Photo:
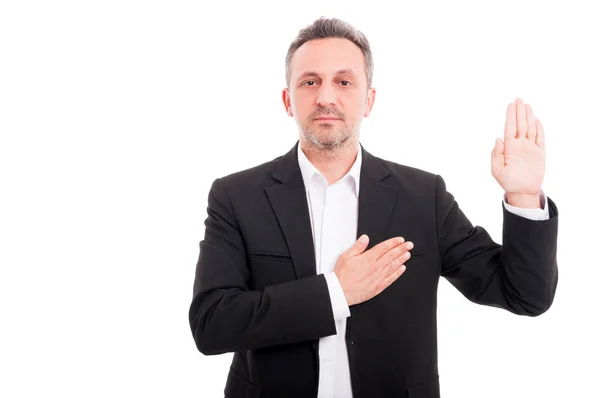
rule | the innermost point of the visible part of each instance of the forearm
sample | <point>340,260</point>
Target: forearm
<point>229,320</point>
<point>525,269</point>
<point>529,253</point>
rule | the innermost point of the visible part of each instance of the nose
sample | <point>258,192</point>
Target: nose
<point>326,95</point>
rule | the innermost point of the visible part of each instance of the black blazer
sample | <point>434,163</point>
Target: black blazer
<point>256,291</point>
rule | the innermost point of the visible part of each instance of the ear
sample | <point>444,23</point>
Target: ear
<point>370,101</point>
<point>285,96</point>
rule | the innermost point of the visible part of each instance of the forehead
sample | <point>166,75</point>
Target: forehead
<point>327,56</point>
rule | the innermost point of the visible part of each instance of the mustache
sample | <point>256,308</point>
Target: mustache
<point>327,112</point>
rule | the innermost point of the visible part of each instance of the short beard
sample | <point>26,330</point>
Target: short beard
<point>329,144</point>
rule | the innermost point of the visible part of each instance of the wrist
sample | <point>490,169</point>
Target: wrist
<point>522,200</point>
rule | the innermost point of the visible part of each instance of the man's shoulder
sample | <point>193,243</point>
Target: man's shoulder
<point>251,177</point>
<point>407,175</point>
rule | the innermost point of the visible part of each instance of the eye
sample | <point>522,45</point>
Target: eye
<point>345,83</point>
<point>309,83</point>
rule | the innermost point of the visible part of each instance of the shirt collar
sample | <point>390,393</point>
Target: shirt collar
<point>308,170</point>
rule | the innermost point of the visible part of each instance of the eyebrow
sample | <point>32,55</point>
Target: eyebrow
<point>315,74</point>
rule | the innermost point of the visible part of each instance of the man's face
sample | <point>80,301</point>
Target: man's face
<point>328,92</point>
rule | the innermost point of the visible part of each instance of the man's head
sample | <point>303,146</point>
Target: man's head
<point>329,70</point>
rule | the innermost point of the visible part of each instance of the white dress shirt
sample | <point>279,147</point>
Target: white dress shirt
<point>334,220</point>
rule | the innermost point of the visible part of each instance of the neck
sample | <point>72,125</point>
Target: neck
<point>332,163</point>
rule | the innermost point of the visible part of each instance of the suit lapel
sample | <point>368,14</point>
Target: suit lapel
<point>288,200</point>
<point>375,200</point>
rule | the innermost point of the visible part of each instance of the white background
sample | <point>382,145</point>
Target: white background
<point>116,116</point>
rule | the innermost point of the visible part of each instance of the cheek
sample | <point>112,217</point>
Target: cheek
<point>301,105</point>
<point>355,110</point>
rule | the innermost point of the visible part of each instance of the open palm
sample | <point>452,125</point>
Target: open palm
<point>519,162</point>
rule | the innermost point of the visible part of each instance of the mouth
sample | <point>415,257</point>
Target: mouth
<point>327,118</point>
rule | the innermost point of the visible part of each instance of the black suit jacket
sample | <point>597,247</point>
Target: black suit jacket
<point>257,294</point>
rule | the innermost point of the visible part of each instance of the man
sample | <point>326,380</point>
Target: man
<point>310,310</point>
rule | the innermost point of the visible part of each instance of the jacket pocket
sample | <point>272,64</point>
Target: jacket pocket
<point>271,256</point>
<point>238,387</point>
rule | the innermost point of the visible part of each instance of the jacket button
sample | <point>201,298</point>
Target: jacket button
<point>352,342</point>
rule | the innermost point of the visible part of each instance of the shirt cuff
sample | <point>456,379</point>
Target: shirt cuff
<point>531,214</point>
<point>337,297</point>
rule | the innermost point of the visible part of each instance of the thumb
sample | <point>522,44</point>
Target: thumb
<point>359,246</point>
<point>498,152</point>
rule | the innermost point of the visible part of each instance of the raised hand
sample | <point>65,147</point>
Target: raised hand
<point>519,162</point>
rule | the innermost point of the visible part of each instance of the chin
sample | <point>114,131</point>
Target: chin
<point>326,135</point>
<point>330,144</point>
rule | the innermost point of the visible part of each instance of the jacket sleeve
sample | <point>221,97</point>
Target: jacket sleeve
<point>520,275</point>
<point>226,316</point>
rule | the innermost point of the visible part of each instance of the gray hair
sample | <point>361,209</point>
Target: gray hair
<point>324,28</point>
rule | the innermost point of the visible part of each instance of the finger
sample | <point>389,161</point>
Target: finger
<point>395,263</point>
<point>531,133</point>
<point>390,278</point>
<point>540,139</point>
<point>359,246</point>
<point>510,128</point>
<point>396,252</point>
<point>521,119</point>
<point>378,250</point>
